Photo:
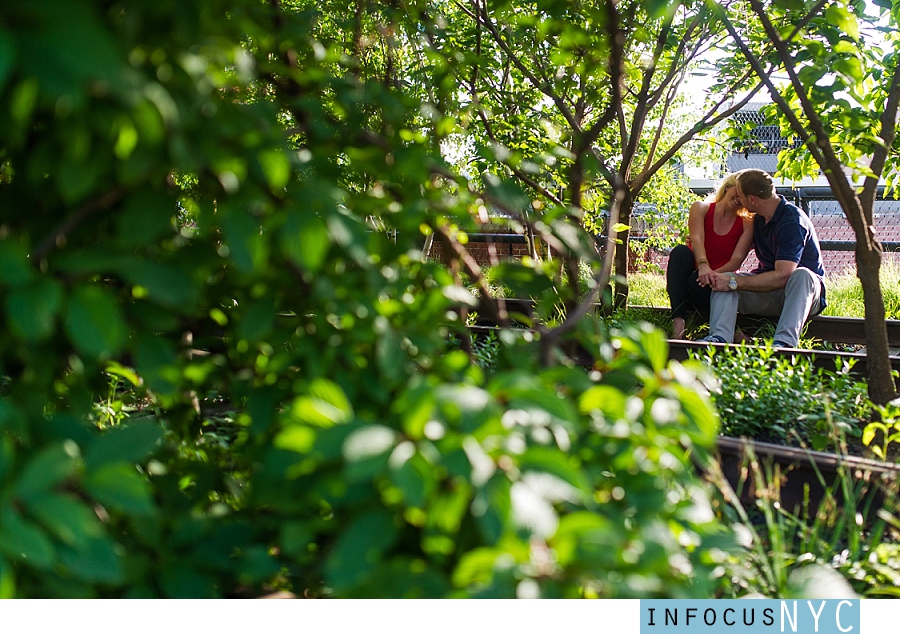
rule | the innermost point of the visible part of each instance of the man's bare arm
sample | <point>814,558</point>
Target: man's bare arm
<point>768,281</point>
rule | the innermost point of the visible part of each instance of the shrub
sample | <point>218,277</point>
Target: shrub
<point>212,206</point>
<point>778,398</point>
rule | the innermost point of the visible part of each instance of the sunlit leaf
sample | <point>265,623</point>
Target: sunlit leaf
<point>276,167</point>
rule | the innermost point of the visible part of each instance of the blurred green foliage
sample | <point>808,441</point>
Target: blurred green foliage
<point>219,379</point>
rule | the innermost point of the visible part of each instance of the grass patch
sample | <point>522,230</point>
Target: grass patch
<point>845,296</point>
<point>647,289</point>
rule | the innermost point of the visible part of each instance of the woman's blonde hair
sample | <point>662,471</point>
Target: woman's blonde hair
<point>727,183</point>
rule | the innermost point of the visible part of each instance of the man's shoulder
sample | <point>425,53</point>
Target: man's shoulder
<point>791,214</point>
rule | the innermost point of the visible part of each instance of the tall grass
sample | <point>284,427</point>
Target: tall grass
<point>647,289</point>
<point>844,292</point>
<point>845,296</point>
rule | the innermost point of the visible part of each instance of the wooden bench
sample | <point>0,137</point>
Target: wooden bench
<point>833,329</point>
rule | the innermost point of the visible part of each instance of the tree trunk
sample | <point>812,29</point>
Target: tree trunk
<point>868,269</point>
<point>620,294</point>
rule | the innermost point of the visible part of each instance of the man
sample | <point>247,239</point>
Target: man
<point>789,281</point>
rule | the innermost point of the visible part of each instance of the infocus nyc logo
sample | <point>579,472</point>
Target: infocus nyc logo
<point>750,616</point>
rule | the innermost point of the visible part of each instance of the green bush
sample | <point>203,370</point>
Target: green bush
<point>227,367</point>
<point>784,399</point>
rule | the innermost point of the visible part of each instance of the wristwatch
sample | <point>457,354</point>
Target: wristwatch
<point>732,283</point>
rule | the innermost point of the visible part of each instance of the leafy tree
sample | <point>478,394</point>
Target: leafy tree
<point>578,102</point>
<point>842,102</point>
<point>226,366</point>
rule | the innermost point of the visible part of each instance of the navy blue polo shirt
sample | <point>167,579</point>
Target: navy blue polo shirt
<point>789,235</point>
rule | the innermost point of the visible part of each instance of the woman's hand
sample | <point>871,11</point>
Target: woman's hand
<point>705,275</point>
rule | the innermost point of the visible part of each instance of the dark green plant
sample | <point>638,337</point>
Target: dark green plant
<point>781,398</point>
<point>847,544</point>
<point>225,206</point>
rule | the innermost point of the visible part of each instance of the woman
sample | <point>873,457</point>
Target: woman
<point>720,237</point>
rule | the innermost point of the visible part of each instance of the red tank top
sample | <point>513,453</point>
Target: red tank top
<point>719,249</point>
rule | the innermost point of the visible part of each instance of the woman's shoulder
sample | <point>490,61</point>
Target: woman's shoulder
<point>700,207</point>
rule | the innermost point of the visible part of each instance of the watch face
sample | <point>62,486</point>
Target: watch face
<point>732,283</point>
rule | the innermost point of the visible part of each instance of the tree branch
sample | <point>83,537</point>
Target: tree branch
<point>100,203</point>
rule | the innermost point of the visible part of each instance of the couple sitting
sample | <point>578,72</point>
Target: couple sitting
<point>789,281</point>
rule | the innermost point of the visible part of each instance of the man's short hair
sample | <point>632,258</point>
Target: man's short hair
<point>754,182</point>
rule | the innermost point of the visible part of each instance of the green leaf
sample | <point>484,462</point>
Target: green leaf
<point>555,462</point>
<point>24,541</point>
<point>66,27</point>
<point>331,393</point>
<point>411,474</point>
<point>7,62</point>
<point>120,486</point>
<point>257,320</point>
<point>276,167</point>
<point>14,266</point>
<point>32,308</point>
<point>326,405</point>
<point>181,581</point>
<point>7,574</point>
<point>247,249</point>
<point>69,519</point>
<point>256,566</point>
<point>492,507</point>
<point>415,407</point>
<point>581,533</point>
<point>96,561</point>
<point>605,398</point>
<point>155,362</point>
<point>296,538</point>
<point>657,8</point>
<point>391,356</point>
<point>476,567</point>
<point>304,239</point>
<point>146,217</point>
<point>845,20</point>
<point>538,402</point>
<point>76,177</point>
<point>522,280</point>
<point>296,438</point>
<point>359,549</point>
<point>509,192</point>
<point>50,467</point>
<point>166,284</point>
<point>94,322</point>
<point>850,68</point>
<point>7,453</point>
<point>124,444</point>
<point>655,347</point>
<point>369,441</point>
